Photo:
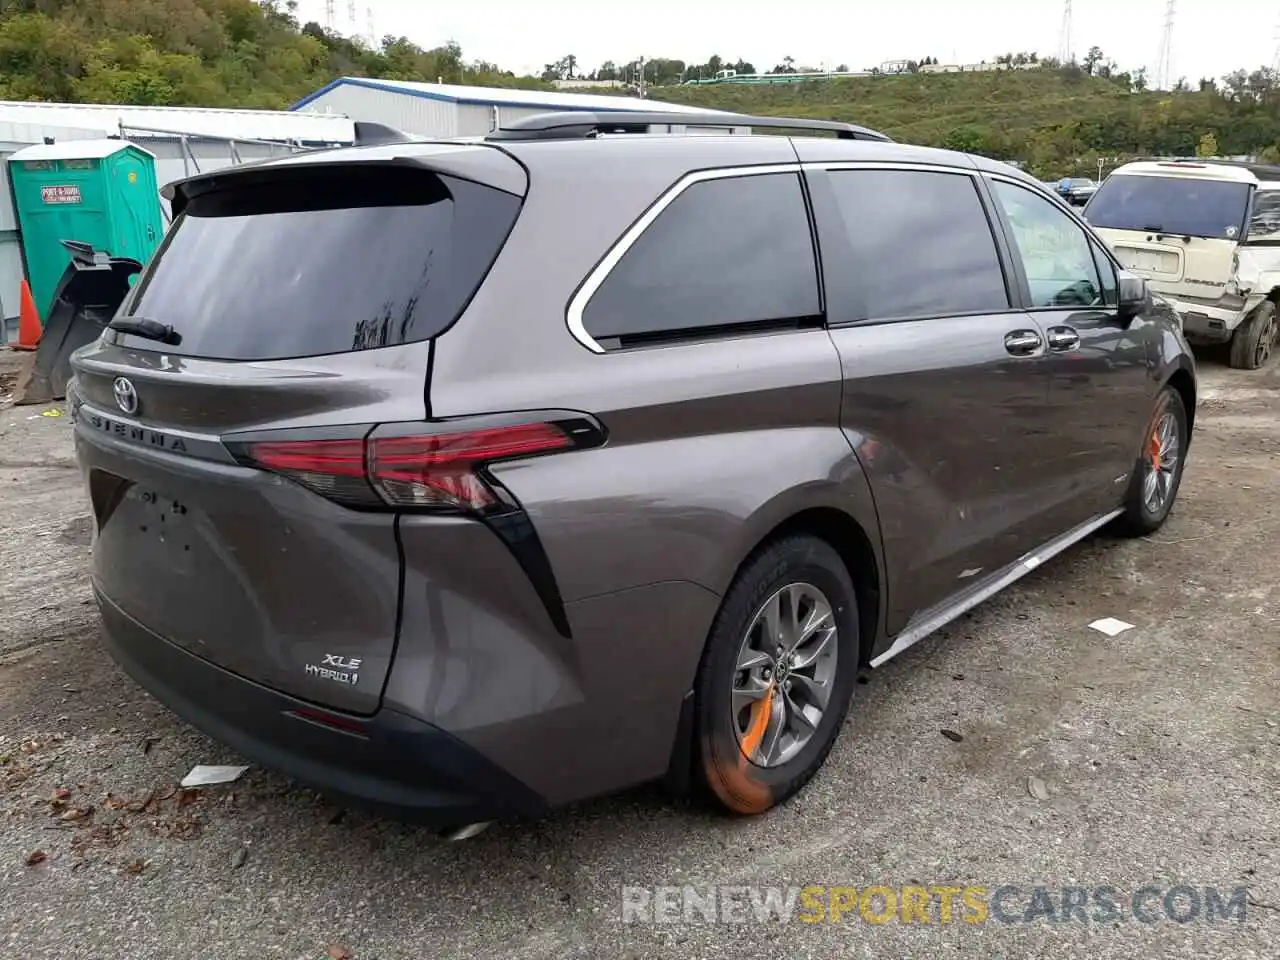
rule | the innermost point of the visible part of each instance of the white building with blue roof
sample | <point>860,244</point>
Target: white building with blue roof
<point>447,110</point>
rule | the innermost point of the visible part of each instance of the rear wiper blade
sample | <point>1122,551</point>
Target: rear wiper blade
<point>148,329</point>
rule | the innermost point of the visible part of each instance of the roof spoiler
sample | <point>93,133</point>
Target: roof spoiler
<point>580,125</point>
<point>368,134</point>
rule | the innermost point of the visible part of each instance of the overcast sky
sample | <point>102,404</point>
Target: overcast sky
<point>1211,37</point>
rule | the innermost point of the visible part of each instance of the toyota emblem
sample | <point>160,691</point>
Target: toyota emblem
<point>126,396</point>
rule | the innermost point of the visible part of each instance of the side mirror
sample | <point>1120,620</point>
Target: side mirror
<point>1133,294</point>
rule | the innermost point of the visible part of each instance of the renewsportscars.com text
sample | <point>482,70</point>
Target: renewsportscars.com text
<point>933,904</point>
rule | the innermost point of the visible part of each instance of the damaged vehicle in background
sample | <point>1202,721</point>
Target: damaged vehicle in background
<point>1206,236</point>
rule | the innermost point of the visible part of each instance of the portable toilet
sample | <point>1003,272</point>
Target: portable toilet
<point>100,192</point>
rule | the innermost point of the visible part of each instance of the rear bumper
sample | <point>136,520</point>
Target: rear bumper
<point>1213,321</point>
<point>389,762</point>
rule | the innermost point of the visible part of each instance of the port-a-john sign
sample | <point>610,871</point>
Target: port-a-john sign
<point>61,194</point>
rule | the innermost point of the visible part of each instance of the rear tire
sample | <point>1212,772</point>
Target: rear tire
<point>1254,340</point>
<point>787,734</point>
<point>1163,456</point>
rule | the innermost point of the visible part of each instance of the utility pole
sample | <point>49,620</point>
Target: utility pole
<point>1065,55</point>
<point>1275,58</point>
<point>1164,60</point>
<point>372,28</point>
<point>642,78</point>
<point>351,17</point>
<point>331,15</point>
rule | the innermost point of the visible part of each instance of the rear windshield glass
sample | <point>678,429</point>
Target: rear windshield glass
<point>1175,205</point>
<point>321,261</point>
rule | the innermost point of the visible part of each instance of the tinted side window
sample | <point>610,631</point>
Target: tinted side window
<point>1264,221</point>
<point>1056,254</point>
<point>921,244</point>
<point>737,250</point>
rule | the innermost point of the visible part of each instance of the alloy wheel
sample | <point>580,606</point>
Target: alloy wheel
<point>1266,341</point>
<point>1163,457</point>
<point>784,673</point>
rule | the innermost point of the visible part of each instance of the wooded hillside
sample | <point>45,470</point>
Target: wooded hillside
<point>213,53</point>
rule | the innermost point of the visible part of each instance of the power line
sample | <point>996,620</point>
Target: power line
<point>1164,60</point>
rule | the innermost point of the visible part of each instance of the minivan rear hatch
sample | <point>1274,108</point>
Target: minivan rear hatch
<point>290,302</point>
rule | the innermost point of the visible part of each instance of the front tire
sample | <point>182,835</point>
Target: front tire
<point>777,676</point>
<point>1157,475</point>
<point>1254,340</point>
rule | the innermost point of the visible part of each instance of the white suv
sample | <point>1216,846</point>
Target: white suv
<point>1206,235</point>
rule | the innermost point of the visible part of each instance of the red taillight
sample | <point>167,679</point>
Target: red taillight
<point>441,470</point>
<point>407,470</point>
<point>332,468</point>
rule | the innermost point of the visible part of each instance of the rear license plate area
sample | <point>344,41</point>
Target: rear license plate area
<point>162,527</point>
<point>1147,261</point>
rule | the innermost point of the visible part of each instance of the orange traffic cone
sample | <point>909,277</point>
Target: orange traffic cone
<point>29,328</point>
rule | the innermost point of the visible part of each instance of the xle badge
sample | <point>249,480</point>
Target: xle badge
<point>338,669</point>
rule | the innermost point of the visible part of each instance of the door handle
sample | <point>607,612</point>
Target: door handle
<point>1062,339</point>
<point>1023,343</point>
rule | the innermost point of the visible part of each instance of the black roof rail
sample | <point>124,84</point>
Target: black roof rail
<point>582,124</point>
<point>1263,171</point>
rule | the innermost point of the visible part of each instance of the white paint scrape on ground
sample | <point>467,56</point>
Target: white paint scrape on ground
<point>1070,759</point>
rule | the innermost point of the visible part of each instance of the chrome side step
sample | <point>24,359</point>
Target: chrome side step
<point>928,621</point>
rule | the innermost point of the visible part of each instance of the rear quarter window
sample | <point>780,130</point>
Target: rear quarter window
<point>321,261</point>
<point>726,253</point>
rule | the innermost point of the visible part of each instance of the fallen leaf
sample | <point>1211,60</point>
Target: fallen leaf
<point>951,735</point>
<point>36,856</point>
<point>138,806</point>
<point>239,857</point>
<point>62,793</point>
<point>1036,787</point>
<point>112,802</point>
<point>135,866</point>
<point>188,797</point>
<point>337,951</point>
<point>77,813</point>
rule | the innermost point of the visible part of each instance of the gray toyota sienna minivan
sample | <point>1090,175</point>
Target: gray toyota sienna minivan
<point>472,478</point>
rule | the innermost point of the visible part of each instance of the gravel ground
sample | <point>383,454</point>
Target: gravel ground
<point>1158,752</point>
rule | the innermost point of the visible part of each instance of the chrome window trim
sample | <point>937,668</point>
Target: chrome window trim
<point>596,278</point>
<point>972,172</point>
